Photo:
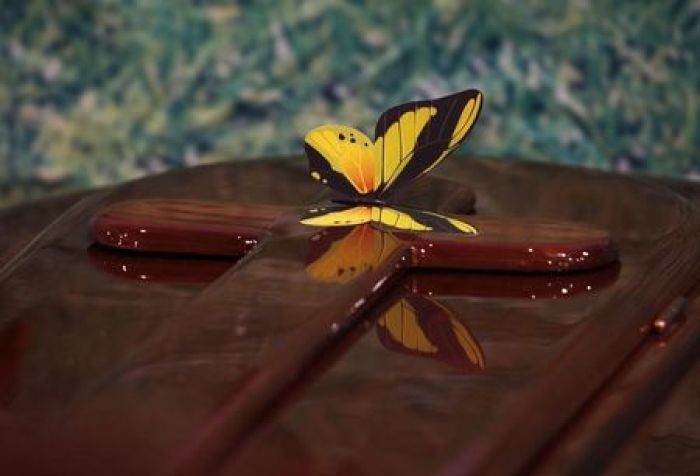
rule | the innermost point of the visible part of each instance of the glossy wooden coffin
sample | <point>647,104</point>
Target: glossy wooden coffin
<point>128,363</point>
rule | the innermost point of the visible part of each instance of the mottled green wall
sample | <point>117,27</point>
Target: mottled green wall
<point>92,92</point>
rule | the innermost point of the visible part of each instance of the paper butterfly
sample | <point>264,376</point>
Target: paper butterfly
<point>410,140</point>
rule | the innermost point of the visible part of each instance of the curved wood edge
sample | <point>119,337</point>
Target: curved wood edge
<point>184,226</point>
<point>512,244</point>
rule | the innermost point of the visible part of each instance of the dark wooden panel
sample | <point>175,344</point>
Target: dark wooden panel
<point>98,368</point>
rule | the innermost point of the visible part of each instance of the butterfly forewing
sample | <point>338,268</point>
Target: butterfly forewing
<point>420,146</point>
<point>400,128</point>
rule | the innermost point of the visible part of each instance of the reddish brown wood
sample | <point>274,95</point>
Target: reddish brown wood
<point>158,267</point>
<point>511,446</point>
<point>512,285</point>
<point>221,229</point>
<point>417,291</point>
<point>612,417</point>
<point>179,268</point>
<point>506,244</point>
<point>501,244</point>
<point>201,228</point>
<point>118,376</point>
<point>184,226</point>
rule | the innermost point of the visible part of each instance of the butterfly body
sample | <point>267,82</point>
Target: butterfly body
<point>410,140</point>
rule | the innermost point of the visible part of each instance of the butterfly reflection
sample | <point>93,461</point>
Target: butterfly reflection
<point>417,325</point>
<point>340,255</point>
<point>414,325</point>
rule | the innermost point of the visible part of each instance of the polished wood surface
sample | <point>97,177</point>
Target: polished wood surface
<point>130,376</point>
<point>167,268</point>
<point>19,225</point>
<point>232,230</point>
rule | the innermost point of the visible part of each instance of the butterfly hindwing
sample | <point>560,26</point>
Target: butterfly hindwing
<point>412,138</point>
<point>342,158</point>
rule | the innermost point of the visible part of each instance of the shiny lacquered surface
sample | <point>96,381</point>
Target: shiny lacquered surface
<point>231,230</point>
<point>411,308</point>
<point>103,374</point>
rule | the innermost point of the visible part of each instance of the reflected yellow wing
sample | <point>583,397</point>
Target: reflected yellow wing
<point>401,323</point>
<point>351,255</point>
<point>421,326</point>
<point>342,158</point>
<point>467,342</point>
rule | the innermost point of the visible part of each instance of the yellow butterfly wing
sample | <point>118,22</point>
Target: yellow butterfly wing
<point>413,138</point>
<point>342,158</point>
<point>396,139</point>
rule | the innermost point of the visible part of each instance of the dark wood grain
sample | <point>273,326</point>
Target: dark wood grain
<point>511,446</point>
<point>612,417</point>
<point>115,376</point>
<point>667,441</point>
<point>21,223</point>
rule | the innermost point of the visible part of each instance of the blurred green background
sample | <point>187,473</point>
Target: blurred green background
<point>94,92</point>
